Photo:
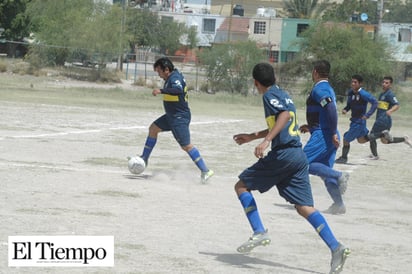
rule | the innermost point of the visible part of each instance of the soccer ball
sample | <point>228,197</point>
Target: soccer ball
<point>136,165</point>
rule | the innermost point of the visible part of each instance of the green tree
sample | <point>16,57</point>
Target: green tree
<point>304,8</point>
<point>348,50</point>
<point>15,23</point>
<point>87,27</point>
<point>229,66</point>
<point>399,11</point>
<point>395,11</point>
<point>147,29</point>
<point>350,10</point>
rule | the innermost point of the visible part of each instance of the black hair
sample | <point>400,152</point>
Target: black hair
<point>388,78</point>
<point>164,63</point>
<point>357,77</point>
<point>264,74</point>
<point>322,67</point>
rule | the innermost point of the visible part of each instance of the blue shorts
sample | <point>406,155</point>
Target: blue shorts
<point>320,149</point>
<point>287,169</point>
<point>178,124</point>
<point>357,129</point>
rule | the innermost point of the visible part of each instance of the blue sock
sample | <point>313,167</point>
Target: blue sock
<point>333,190</point>
<point>324,171</point>
<point>195,155</point>
<point>249,205</point>
<point>321,226</point>
<point>148,147</point>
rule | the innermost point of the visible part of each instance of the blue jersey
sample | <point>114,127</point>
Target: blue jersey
<point>316,114</point>
<point>386,101</point>
<point>357,103</point>
<point>175,94</point>
<point>276,101</point>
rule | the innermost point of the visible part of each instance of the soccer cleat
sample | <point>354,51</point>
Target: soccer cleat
<point>205,176</point>
<point>146,161</point>
<point>335,209</point>
<point>387,136</point>
<point>338,259</point>
<point>341,160</point>
<point>343,182</point>
<point>257,239</point>
<point>373,157</point>
<point>407,141</point>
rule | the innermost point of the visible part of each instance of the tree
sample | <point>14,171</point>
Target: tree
<point>91,28</point>
<point>229,66</point>
<point>15,23</point>
<point>349,51</point>
<point>304,8</point>
<point>398,11</point>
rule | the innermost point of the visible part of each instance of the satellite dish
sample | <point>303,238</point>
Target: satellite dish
<point>364,17</point>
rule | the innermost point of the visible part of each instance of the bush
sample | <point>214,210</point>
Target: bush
<point>3,67</point>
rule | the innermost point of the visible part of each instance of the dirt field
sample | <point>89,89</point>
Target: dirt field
<point>63,171</point>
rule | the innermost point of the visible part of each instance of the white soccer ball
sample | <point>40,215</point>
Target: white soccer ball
<point>136,165</point>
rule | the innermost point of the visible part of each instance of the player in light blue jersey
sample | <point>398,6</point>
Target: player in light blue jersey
<point>357,102</point>
<point>387,105</point>
<point>284,166</point>
<point>322,123</point>
<point>177,117</point>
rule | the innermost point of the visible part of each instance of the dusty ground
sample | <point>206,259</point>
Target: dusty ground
<point>63,172</point>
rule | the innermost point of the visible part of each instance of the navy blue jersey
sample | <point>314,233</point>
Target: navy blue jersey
<point>386,101</point>
<point>175,94</point>
<point>275,101</point>
<point>357,103</point>
<point>316,114</point>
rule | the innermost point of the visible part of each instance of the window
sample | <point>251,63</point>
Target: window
<point>404,35</point>
<point>209,25</point>
<point>259,28</point>
<point>301,28</point>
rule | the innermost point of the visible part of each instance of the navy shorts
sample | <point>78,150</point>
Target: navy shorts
<point>381,124</point>
<point>287,169</point>
<point>356,130</point>
<point>178,124</point>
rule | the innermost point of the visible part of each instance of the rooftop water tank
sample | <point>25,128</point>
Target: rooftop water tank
<point>238,10</point>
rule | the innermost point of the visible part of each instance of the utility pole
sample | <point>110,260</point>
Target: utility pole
<point>229,31</point>
<point>380,15</point>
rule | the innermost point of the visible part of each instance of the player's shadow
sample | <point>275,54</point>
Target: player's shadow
<point>244,261</point>
<point>137,177</point>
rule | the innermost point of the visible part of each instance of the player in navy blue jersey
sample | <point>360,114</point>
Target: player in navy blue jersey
<point>322,123</point>
<point>177,117</point>
<point>387,105</point>
<point>284,166</point>
<point>357,102</point>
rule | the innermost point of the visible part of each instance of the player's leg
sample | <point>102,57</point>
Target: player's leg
<point>181,133</point>
<point>395,140</point>
<point>345,151</point>
<point>338,251</point>
<point>378,127</point>
<point>336,179</point>
<point>154,129</point>
<point>299,193</point>
<point>348,137</point>
<point>260,235</point>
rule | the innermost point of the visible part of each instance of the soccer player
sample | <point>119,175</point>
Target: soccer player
<point>357,103</point>
<point>284,166</point>
<point>177,117</point>
<point>322,123</point>
<point>387,105</point>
